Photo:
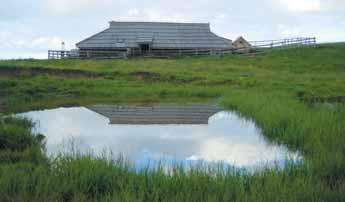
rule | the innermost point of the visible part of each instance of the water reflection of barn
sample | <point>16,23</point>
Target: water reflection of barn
<point>168,114</point>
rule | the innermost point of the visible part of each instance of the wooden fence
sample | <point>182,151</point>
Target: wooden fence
<point>284,43</point>
<point>58,54</point>
<point>255,48</point>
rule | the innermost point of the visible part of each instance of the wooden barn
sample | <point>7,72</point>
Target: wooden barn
<point>156,38</point>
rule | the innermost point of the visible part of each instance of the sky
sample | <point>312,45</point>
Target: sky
<point>29,28</point>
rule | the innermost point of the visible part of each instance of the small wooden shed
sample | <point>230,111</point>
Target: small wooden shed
<point>240,45</point>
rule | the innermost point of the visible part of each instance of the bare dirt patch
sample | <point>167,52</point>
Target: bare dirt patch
<point>146,76</point>
<point>35,71</point>
<point>156,77</point>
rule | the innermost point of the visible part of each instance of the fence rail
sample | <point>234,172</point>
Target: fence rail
<point>58,54</point>
<point>254,48</point>
<point>284,42</point>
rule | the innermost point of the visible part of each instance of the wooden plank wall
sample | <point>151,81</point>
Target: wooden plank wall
<point>255,48</point>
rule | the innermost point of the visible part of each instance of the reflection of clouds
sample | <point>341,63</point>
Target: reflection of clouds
<point>239,153</point>
<point>227,138</point>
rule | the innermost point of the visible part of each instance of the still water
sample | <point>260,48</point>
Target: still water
<point>194,135</point>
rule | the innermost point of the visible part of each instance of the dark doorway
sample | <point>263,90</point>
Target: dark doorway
<point>145,48</point>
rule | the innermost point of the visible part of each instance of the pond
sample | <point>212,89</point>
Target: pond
<point>142,134</point>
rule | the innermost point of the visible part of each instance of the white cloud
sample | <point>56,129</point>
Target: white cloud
<point>301,5</point>
<point>4,37</point>
<point>62,6</point>
<point>333,5</point>
<point>158,15</point>
<point>133,12</point>
<point>13,41</point>
<point>288,31</point>
<point>46,42</point>
<point>151,14</point>
<point>311,5</point>
<point>221,16</point>
<point>72,7</point>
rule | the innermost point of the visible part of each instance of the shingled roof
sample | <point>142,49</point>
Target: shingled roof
<point>159,35</point>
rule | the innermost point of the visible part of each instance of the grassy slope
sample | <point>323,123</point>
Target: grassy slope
<point>266,88</point>
<point>309,72</point>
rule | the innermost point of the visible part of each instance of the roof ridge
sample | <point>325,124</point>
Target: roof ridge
<point>156,22</point>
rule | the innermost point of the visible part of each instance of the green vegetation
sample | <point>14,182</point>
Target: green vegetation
<point>295,96</point>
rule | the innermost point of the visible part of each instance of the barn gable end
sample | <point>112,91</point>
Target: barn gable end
<point>241,45</point>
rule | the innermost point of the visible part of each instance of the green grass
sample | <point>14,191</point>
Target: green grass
<point>282,91</point>
<point>18,143</point>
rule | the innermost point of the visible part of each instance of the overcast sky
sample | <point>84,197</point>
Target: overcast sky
<point>28,28</point>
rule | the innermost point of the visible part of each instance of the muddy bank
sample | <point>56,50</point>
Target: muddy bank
<point>12,71</point>
<point>35,71</point>
<point>156,77</point>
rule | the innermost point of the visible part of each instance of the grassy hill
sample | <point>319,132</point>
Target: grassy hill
<point>309,73</point>
<point>283,91</point>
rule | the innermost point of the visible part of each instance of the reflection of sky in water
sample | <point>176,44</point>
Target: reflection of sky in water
<point>227,138</point>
